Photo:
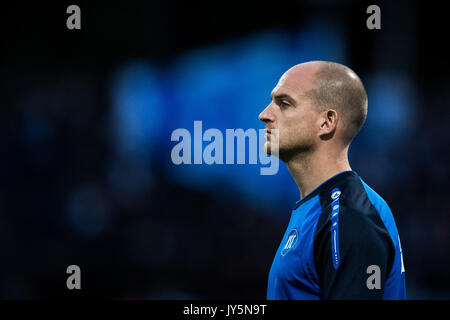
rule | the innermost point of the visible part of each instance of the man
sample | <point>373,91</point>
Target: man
<point>342,241</point>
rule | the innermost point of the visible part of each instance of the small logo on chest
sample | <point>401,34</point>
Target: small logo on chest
<point>291,241</point>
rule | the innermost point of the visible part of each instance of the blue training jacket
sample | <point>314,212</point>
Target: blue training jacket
<point>341,243</point>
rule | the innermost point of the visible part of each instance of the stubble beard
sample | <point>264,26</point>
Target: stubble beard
<point>286,152</point>
<point>296,152</point>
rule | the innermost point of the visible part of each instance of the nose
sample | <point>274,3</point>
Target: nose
<point>266,115</point>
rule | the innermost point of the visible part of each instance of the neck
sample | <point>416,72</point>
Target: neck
<point>309,170</point>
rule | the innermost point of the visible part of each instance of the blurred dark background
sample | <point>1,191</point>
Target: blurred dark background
<point>85,124</point>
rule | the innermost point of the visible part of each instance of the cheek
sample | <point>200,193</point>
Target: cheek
<point>298,129</point>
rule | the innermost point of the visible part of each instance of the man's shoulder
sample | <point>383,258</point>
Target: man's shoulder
<point>375,198</point>
<point>357,195</point>
<point>353,203</point>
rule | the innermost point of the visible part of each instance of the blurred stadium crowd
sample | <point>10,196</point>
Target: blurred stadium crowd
<point>86,175</point>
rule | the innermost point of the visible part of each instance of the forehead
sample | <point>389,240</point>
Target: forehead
<point>295,82</point>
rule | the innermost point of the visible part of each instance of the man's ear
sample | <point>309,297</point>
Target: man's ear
<point>328,123</point>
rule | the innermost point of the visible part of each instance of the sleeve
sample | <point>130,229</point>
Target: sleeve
<point>353,256</point>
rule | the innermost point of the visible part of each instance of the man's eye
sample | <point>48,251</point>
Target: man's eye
<point>284,104</point>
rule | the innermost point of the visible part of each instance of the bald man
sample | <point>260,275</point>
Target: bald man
<point>342,241</point>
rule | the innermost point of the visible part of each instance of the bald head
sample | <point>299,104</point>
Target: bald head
<point>335,86</point>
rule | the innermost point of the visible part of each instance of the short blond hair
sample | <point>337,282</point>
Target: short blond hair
<point>338,87</point>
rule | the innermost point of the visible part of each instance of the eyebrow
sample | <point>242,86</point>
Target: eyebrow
<point>282,96</point>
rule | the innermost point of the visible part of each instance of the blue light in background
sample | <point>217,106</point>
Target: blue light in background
<point>226,87</point>
<point>88,210</point>
<point>391,118</point>
<point>322,39</point>
<point>392,110</point>
<point>137,118</point>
